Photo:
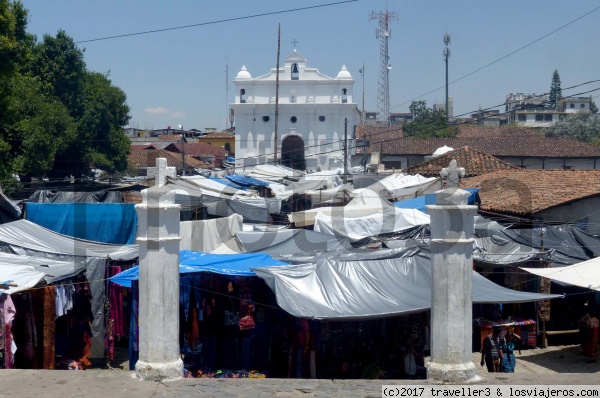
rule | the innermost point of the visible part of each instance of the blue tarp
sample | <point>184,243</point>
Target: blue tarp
<point>225,264</point>
<point>421,202</point>
<point>225,181</point>
<point>114,223</point>
<point>230,159</point>
<point>247,181</point>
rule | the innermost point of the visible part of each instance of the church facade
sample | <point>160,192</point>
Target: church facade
<point>312,113</point>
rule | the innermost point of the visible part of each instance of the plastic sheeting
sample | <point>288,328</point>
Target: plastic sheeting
<point>9,210</point>
<point>207,235</point>
<point>365,289</point>
<point>399,185</point>
<point>274,173</point>
<point>247,181</point>
<point>289,242</point>
<point>585,274</point>
<point>421,202</point>
<point>25,277</point>
<point>53,270</point>
<point>48,196</point>
<point>99,222</point>
<point>225,264</point>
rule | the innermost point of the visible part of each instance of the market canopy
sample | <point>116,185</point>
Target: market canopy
<point>399,185</point>
<point>363,289</point>
<point>421,202</point>
<point>225,264</point>
<point>247,181</point>
<point>585,274</point>
<point>53,270</point>
<point>25,277</point>
<point>289,241</point>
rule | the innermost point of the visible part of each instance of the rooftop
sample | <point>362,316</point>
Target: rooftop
<point>474,162</point>
<point>531,191</point>
<point>220,134</point>
<point>147,158</point>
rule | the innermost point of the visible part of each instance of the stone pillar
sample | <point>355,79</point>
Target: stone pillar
<point>158,239</point>
<point>452,222</point>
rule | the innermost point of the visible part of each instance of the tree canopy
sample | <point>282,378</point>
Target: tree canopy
<point>56,117</point>
<point>428,123</point>
<point>582,126</point>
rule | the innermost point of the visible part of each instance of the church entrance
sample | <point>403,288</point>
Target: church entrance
<point>292,152</point>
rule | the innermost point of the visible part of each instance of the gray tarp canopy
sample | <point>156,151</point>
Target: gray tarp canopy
<point>49,196</point>
<point>287,242</point>
<point>369,288</point>
<point>9,210</point>
<point>54,270</point>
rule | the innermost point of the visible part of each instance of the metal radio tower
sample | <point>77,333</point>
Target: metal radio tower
<point>383,33</point>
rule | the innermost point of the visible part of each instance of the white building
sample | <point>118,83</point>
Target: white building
<point>312,111</point>
<point>531,110</point>
<point>576,104</point>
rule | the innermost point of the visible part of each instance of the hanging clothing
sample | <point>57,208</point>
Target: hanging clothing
<point>116,303</point>
<point>44,304</point>
<point>8,314</point>
<point>134,326</point>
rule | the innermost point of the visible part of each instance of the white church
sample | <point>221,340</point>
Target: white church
<point>312,109</point>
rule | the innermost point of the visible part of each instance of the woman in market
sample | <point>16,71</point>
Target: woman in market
<point>589,327</point>
<point>511,341</point>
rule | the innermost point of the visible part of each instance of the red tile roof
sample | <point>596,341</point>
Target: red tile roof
<point>474,162</point>
<point>147,158</point>
<point>220,134</point>
<point>474,130</point>
<point>199,149</point>
<point>517,146</point>
<point>531,191</point>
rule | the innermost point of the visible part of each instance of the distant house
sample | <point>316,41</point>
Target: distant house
<point>532,110</point>
<point>220,139</point>
<point>518,146</point>
<point>562,196</point>
<point>141,159</point>
<point>204,152</point>
<point>576,104</point>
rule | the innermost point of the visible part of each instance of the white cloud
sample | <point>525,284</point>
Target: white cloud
<point>157,111</point>
<point>178,114</point>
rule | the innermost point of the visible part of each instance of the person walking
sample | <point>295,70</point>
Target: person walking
<point>511,341</point>
<point>491,352</point>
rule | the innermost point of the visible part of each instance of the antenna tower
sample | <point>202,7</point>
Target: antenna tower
<point>383,33</point>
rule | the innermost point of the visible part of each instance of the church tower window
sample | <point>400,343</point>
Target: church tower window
<point>295,72</point>
<point>242,93</point>
<point>344,96</point>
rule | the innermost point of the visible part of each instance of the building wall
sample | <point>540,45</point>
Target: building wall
<point>556,163</point>
<point>583,212</point>
<point>219,142</point>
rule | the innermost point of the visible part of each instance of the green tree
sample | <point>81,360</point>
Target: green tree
<point>582,126</point>
<point>555,94</point>
<point>59,65</point>
<point>593,108</point>
<point>428,123</point>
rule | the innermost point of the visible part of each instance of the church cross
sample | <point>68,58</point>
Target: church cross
<point>294,42</point>
<point>161,172</point>
<point>452,173</point>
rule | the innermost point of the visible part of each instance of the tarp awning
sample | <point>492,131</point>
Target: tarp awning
<point>585,274</point>
<point>53,270</point>
<point>225,264</point>
<point>247,181</point>
<point>365,289</point>
<point>421,202</point>
<point>25,277</point>
<point>289,242</point>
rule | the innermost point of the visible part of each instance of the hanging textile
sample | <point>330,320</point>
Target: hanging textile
<point>8,314</point>
<point>134,326</point>
<point>44,307</point>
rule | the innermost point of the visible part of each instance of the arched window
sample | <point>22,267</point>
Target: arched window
<point>242,93</point>
<point>344,96</point>
<point>572,106</point>
<point>293,96</point>
<point>295,72</point>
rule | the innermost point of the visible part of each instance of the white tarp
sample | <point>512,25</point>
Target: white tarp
<point>366,226</point>
<point>367,202</point>
<point>585,274</point>
<point>25,277</point>
<point>363,289</point>
<point>207,235</point>
<point>399,185</point>
<point>54,270</point>
<point>274,173</point>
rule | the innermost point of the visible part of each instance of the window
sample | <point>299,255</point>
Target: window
<point>265,118</point>
<point>539,117</point>
<point>293,119</point>
<point>582,106</point>
<point>293,96</point>
<point>548,118</point>
<point>572,106</point>
<point>344,96</point>
<point>321,118</point>
<point>522,118</point>
<point>295,72</point>
<point>242,93</point>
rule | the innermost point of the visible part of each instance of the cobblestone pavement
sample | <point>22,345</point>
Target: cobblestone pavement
<point>555,365</point>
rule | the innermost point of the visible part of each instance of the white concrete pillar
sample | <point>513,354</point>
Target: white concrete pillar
<point>452,222</point>
<point>158,239</point>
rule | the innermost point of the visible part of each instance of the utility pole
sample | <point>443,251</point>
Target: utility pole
<point>182,150</point>
<point>446,56</point>
<point>383,33</point>
<point>277,94</point>
<point>345,150</point>
<point>362,73</point>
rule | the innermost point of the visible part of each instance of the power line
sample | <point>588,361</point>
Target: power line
<point>217,21</point>
<point>504,56</point>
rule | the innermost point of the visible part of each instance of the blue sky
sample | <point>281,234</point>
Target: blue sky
<point>178,76</point>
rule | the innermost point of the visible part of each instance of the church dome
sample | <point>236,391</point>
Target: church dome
<point>344,74</point>
<point>243,74</point>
